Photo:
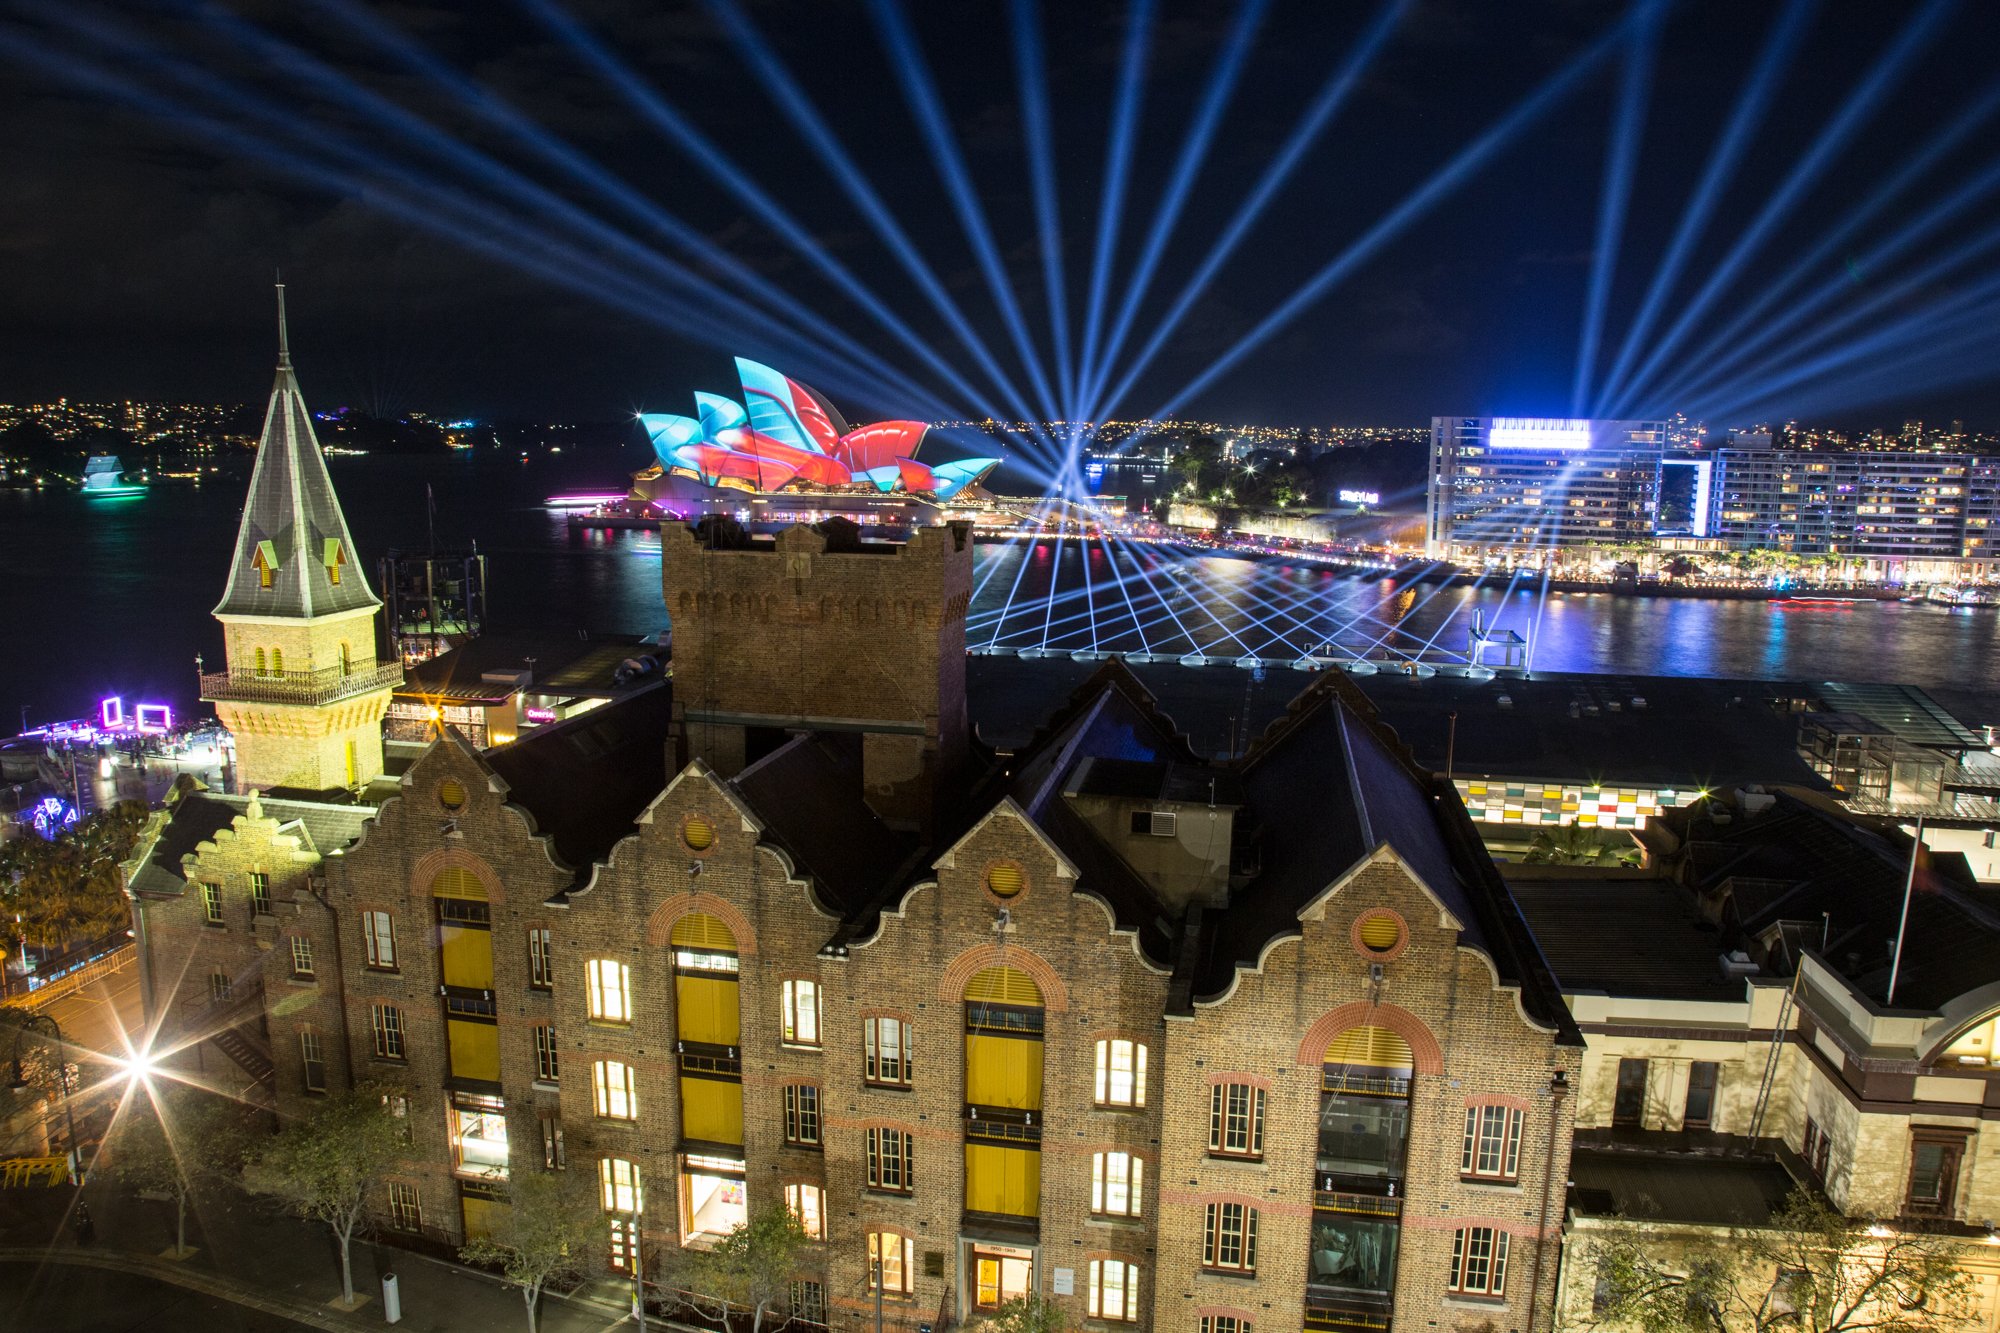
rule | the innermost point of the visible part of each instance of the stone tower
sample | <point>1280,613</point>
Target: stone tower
<point>818,631</point>
<point>303,693</point>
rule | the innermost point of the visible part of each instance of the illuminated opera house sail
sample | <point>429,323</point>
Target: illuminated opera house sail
<point>786,435</point>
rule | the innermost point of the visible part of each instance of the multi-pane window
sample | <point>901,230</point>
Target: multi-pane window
<point>1236,1120</point>
<point>211,904</point>
<point>1818,1149</point>
<point>891,1159</point>
<point>302,956</point>
<point>808,1302</point>
<point>609,983</point>
<point>617,1098</point>
<point>622,1195</point>
<point>554,1158</point>
<point>378,933</point>
<point>541,957</point>
<point>1117,1181</point>
<point>886,1051</point>
<point>260,893</point>
<point>1479,1261</point>
<point>891,1257</point>
<point>1114,1290</point>
<point>801,1013</point>
<point>220,987</point>
<point>406,1210</point>
<point>802,1114</point>
<point>313,1062</point>
<point>1225,1323</point>
<point>547,1066</point>
<point>1121,1073</point>
<point>1229,1238</point>
<point>808,1204</point>
<point>1492,1143</point>
<point>1935,1155</point>
<point>387,1021</point>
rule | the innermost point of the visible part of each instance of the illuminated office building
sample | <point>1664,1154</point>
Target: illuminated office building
<point>1524,483</point>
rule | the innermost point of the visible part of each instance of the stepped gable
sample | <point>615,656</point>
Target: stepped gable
<point>808,792</point>
<point>1329,784</point>
<point>198,816</point>
<point>292,529</point>
<point>587,778</point>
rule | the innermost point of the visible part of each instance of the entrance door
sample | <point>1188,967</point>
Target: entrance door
<point>1001,1273</point>
<point>1630,1107</point>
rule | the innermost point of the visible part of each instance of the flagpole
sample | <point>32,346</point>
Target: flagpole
<point>1909,887</point>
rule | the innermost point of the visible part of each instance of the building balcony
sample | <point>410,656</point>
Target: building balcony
<point>298,687</point>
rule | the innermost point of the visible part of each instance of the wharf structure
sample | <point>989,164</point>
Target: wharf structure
<point>1176,1041</point>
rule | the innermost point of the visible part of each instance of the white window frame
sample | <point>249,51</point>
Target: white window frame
<point>896,1267</point>
<point>891,1172</point>
<point>378,933</point>
<point>614,1090</point>
<point>799,1117</point>
<point>548,1058</point>
<point>386,1022</point>
<point>608,983</point>
<point>621,1189</point>
<point>807,1202</point>
<point>312,1057</point>
<point>1492,1148</point>
<point>801,1012</point>
<point>876,1033</point>
<point>1222,1223</point>
<point>302,957</point>
<point>1479,1262</point>
<point>1121,1073</point>
<point>406,1207</point>
<point>1117,1184</point>
<point>541,957</point>
<point>1114,1290</point>
<point>1236,1130</point>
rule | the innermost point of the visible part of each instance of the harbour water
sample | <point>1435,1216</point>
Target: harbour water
<point>113,596</point>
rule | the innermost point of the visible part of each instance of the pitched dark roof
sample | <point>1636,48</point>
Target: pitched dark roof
<point>197,817</point>
<point>291,515</point>
<point>1630,936</point>
<point>587,778</point>
<point>1801,862</point>
<point>808,793</point>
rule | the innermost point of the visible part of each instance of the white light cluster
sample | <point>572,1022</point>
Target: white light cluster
<point>1538,433</point>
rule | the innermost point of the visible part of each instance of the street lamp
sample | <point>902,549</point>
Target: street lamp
<point>20,1082</point>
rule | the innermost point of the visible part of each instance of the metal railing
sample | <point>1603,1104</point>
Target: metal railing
<point>299,687</point>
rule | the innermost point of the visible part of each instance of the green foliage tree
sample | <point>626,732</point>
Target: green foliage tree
<point>750,1269</point>
<point>1575,845</point>
<point>323,1165</point>
<point>1028,1314</point>
<point>1811,1270</point>
<point>172,1140</point>
<point>70,887</point>
<point>554,1232</point>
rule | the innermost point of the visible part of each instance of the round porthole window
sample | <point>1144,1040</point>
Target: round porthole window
<point>698,834</point>
<point>1004,879</point>
<point>1379,933</point>
<point>451,795</point>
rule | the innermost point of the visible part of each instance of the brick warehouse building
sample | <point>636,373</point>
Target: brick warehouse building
<point>1179,1043</point>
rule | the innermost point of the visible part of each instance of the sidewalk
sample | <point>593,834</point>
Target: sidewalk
<point>254,1258</point>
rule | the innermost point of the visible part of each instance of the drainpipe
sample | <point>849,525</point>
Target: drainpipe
<point>1558,1089</point>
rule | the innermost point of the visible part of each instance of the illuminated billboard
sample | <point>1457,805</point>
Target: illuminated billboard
<point>1360,497</point>
<point>1563,433</point>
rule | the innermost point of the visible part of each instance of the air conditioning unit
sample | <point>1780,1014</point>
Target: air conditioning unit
<point>1161,823</point>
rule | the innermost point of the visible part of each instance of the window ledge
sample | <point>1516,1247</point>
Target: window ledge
<point>608,1024</point>
<point>1465,1300</point>
<point>876,1192</point>
<point>302,981</point>
<point>1232,1161</point>
<point>888,1087</point>
<point>545,1085</point>
<point>1113,1223</point>
<point>1244,1275</point>
<point>811,1046</point>
<point>1491,1183</point>
<point>614,1122</point>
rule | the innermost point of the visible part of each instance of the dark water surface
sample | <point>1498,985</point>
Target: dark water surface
<point>113,597</point>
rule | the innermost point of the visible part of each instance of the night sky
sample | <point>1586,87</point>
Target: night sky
<point>137,246</point>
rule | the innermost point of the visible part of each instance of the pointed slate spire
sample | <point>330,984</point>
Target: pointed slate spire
<point>294,555</point>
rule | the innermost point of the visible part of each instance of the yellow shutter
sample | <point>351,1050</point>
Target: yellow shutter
<point>1003,1180</point>
<point>1370,1047</point>
<point>1003,1071</point>
<point>467,956</point>
<point>698,930</point>
<point>485,1219</point>
<point>712,1110</point>
<point>458,882</point>
<point>707,1010</point>
<point>475,1049</point>
<point>1003,985</point>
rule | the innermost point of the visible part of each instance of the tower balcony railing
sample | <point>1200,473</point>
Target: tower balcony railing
<point>299,687</point>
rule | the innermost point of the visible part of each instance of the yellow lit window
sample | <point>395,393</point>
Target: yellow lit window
<point>609,983</point>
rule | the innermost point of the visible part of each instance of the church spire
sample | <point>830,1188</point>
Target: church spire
<point>294,555</point>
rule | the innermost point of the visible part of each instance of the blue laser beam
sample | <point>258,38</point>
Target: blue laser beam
<point>1111,199</point>
<point>1039,137</point>
<point>1855,111</point>
<point>1333,95</point>
<point>1623,155</point>
<point>1187,167</point>
<point>1758,92</point>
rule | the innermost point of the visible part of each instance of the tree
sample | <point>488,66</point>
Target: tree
<point>1810,1270</point>
<point>170,1139</point>
<point>554,1232</point>
<point>323,1165</point>
<point>1575,845</point>
<point>72,886</point>
<point>1028,1314</point>
<point>751,1268</point>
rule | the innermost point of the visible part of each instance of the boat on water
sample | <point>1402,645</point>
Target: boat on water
<point>104,479</point>
<point>1962,594</point>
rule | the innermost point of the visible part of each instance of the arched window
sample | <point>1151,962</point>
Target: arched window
<point>277,661</point>
<point>708,1023</point>
<point>261,666</point>
<point>1003,1087</point>
<point>1364,1132</point>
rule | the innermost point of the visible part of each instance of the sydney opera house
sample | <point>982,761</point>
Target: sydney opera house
<point>786,446</point>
